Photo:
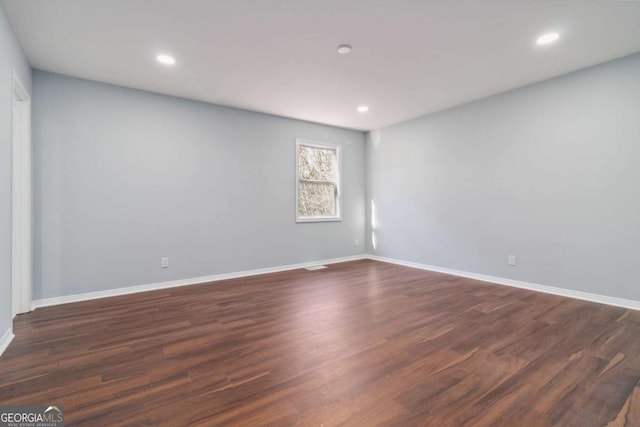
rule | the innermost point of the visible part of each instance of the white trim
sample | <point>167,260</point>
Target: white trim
<point>586,296</point>
<point>601,299</point>
<point>184,282</point>
<point>21,200</point>
<point>6,339</point>
<point>338,182</point>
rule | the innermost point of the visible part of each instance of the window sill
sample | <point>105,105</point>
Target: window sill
<point>318,219</point>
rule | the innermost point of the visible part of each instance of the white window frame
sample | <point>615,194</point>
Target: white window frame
<point>338,201</point>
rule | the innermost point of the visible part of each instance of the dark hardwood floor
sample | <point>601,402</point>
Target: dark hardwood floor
<point>362,343</point>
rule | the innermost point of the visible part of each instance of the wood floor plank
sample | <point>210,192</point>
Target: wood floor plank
<point>362,343</point>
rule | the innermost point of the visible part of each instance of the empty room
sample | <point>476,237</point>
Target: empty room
<point>319,213</point>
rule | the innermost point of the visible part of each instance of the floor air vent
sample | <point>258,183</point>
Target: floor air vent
<point>315,267</point>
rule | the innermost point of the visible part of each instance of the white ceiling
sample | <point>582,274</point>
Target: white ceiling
<point>410,57</point>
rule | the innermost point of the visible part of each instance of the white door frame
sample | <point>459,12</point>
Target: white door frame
<point>21,218</point>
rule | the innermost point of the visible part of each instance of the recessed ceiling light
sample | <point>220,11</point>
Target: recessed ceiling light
<point>166,59</point>
<point>547,38</point>
<point>344,49</point>
<point>363,109</point>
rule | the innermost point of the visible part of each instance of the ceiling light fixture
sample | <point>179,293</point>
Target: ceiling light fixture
<point>547,38</point>
<point>363,109</point>
<point>166,59</point>
<point>344,49</point>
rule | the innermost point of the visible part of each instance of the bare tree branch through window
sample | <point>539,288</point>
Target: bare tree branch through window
<point>318,182</point>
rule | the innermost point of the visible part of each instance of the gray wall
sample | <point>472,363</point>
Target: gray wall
<point>125,177</point>
<point>549,173</point>
<point>11,59</point>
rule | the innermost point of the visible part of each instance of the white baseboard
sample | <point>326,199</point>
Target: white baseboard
<point>586,296</point>
<point>183,282</point>
<point>602,299</point>
<point>6,339</point>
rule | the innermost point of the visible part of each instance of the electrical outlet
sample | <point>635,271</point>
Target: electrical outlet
<point>355,242</point>
<point>512,260</point>
<point>164,262</point>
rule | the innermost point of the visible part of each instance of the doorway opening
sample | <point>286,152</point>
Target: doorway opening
<point>21,201</point>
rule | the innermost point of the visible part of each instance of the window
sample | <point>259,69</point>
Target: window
<point>317,181</point>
